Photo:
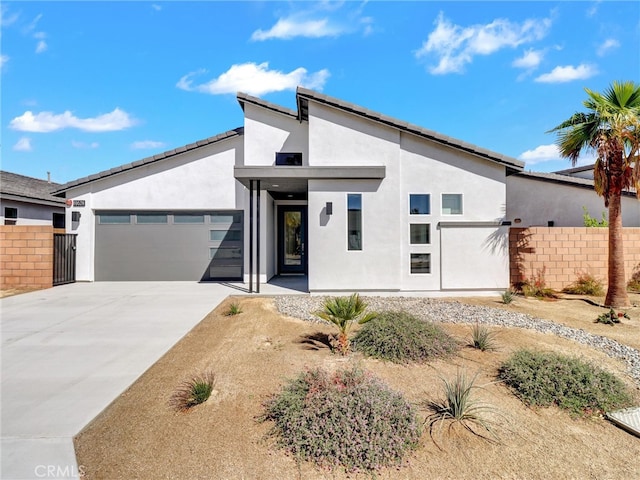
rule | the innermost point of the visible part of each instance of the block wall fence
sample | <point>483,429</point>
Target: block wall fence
<point>26,256</point>
<point>563,252</point>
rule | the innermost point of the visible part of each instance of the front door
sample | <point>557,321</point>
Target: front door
<point>292,239</point>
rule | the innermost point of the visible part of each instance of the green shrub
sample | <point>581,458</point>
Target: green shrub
<point>343,312</point>
<point>482,338</point>
<point>611,317</point>
<point>347,418</point>
<point>585,284</point>
<point>234,309</point>
<point>545,379</point>
<point>537,286</point>
<point>507,297</point>
<point>460,407</point>
<point>193,392</point>
<point>400,337</point>
<point>590,221</point>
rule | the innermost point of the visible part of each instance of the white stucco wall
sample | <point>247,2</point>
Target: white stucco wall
<point>30,213</point>
<point>536,202</point>
<point>195,180</point>
<point>267,132</point>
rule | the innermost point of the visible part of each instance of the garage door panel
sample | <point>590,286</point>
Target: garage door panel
<point>190,246</point>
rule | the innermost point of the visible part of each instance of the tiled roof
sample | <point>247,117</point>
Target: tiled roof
<point>244,98</point>
<point>304,95</point>
<point>148,160</point>
<point>569,171</point>
<point>564,180</point>
<point>28,188</point>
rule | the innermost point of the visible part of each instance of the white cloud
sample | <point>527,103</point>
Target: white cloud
<point>454,46</point>
<point>41,46</point>
<point>255,79</point>
<point>568,73</point>
<point>288,28</point>
<point>3,61</point>
<point>6,19</point>
<point>50,122</point>
<point>530,59</point>
<point>84,145</point>
<point>542,153</point>
<point>23,145</point>
<point>156,7</point>
<point>608,44</point>
<point>146,145</point>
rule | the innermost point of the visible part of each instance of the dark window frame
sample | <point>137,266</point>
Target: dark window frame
<point>289,159</point>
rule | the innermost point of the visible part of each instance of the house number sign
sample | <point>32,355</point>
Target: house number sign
<point>78,203</point>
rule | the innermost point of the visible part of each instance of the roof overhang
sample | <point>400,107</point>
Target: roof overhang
<point>295,179</point>
<point>38,201</point>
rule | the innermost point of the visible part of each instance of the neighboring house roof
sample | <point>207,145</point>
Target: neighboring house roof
<point>304,95</point>
<point>28,189</point>
<point>564,180</point>
<point>573,171</point>
<point>148,160</point>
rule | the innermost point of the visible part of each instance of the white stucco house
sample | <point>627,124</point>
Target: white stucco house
<point>350,198</point>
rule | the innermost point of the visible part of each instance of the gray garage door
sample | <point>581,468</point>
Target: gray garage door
<point>188,246</point>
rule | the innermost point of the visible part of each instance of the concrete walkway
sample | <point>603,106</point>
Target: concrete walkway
<point>67,352</point>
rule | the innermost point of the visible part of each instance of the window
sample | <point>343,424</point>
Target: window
<point>225,235</point>
<point>452,204</point>
<point>58,220</point>
<point>226,218</point>
<point>354,221</point>
<point>419,233</point>
<point>288,159</point>
<point>148,218</point>
<point>419,204</point>
<point>188,218</point>
<point>114,218</point>
<point>420,263</point>
<point>10,215</point>
<point>225,253</point>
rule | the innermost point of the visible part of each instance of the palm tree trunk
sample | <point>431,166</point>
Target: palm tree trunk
<point>617,289</point>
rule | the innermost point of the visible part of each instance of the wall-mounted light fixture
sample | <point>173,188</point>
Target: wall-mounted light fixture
<point>75,216</point>
<point>329,208</point>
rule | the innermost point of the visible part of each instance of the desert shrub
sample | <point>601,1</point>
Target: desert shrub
<point>343,312</point>
<point>459,406</point>
<point>482,338</point>
<point>400,337</point>
<point>193,392</point>
<point>545,379</point>
<point>611,317</point>
<point>507,297</point>
<point>537,286</point>
<point>634,282</point>
<point>234,309</point>
<point>585,284</point>
<point>348,418</point>
<point>590,221</point>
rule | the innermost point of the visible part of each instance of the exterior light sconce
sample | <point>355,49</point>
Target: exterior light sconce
<point>329,208</point>
<point>75,216</point>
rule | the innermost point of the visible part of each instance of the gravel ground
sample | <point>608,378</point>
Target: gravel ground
<point>456,312</point>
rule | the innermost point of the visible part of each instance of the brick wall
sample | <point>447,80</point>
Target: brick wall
<point>26,256</point>
<point>563,252</point>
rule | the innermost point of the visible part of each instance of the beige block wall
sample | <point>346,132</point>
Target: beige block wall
<point>26,256</point>
<point>561,253</point>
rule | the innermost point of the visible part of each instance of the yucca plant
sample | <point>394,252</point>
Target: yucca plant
<point>234,309</point>
<point>343,312</point>
<point>482,338</point>
<point>507,297</point>
<point>460,407</point>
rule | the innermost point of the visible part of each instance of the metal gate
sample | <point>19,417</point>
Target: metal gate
<point>64,258</point>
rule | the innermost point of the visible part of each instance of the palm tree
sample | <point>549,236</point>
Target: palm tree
<point>611,128</point>
<point>343,312</point>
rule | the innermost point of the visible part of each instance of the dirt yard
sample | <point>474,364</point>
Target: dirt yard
<point>140,437</point>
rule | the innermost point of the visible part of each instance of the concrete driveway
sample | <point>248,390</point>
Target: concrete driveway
<point>67,352</point>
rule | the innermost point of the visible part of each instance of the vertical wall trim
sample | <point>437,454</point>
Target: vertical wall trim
<point>258,236</point>
<point>250,236</point>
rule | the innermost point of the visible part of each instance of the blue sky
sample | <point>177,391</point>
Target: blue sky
<point>87,86</point>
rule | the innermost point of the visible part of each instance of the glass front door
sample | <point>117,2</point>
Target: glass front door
<point>292,231</point>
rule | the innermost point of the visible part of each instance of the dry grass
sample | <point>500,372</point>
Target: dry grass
<point>140,436</point>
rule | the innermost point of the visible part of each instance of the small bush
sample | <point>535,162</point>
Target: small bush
<point>545,379</point>
<point>634,282</point>
<point>590,221</point>
<point>347,418</point>
<point>234,309</point>
<point>400,337</point>
<point>585,284</point>
<point>459,407</point>
<point>482,338</point>
<point>507,297</point>
<point>537,286</point>
<point>193,392</point>
<point>611,317</point>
